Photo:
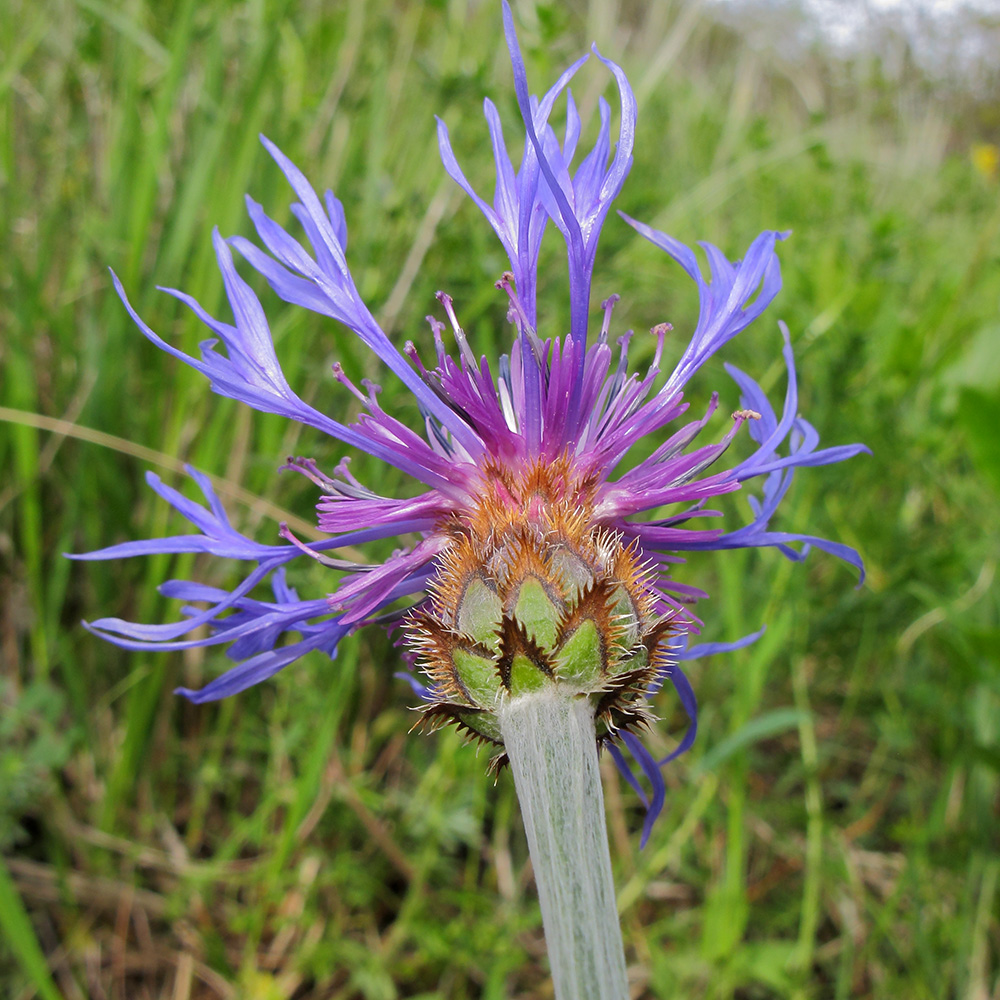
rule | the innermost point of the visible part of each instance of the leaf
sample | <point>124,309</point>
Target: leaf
<point>19,936</point>
<point>760,728</point>
<point>979,415</point>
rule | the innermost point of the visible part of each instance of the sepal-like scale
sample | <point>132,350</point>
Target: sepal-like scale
<point>530,594</point>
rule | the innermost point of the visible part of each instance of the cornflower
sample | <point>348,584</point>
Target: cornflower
<point>540,603</point>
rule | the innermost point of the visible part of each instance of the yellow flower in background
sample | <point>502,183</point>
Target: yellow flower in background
<point>986,159</point>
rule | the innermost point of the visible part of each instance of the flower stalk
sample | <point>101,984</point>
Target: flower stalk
<point>550,742</point>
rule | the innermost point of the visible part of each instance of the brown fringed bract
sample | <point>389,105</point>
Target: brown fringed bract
<point>530,593</point>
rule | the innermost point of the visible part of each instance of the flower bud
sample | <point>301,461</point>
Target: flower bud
<point>532,594</point>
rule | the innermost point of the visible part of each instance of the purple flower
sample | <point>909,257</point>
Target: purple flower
<point>540,437</point>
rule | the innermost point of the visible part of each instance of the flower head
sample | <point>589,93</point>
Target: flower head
<point>544,557</point>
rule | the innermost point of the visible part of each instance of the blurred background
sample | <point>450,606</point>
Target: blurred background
<point>833,834</point>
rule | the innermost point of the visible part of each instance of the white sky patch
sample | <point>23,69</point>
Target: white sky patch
<point>844,22</point>
<point>952,38</point>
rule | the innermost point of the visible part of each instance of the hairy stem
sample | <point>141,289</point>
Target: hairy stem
<point>550,740</point>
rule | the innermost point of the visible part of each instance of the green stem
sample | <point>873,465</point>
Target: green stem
<point>550,740</point>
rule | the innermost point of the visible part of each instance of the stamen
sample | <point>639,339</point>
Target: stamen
<point>309,469</point>
<point>519,317</point>
<point>341,376</point>
<point>608,306</point>
<point>505,283</point>
<point>342,469</point>
<point>373,389</point>
<point>464,350</point>
<point>410,350</point>
<point>620,376</point>
<point>437,329</point>
<point>285,532</point>
<point>623,344</point>
<point>660,331</point>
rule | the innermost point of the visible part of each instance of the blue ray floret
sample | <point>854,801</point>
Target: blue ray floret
<point>569,402</point>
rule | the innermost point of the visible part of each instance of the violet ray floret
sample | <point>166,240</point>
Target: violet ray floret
<point>558,409</point>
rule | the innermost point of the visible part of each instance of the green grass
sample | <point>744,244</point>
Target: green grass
<point>832,834</point>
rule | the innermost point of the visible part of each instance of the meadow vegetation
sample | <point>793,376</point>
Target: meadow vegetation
<point>833,832</point>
